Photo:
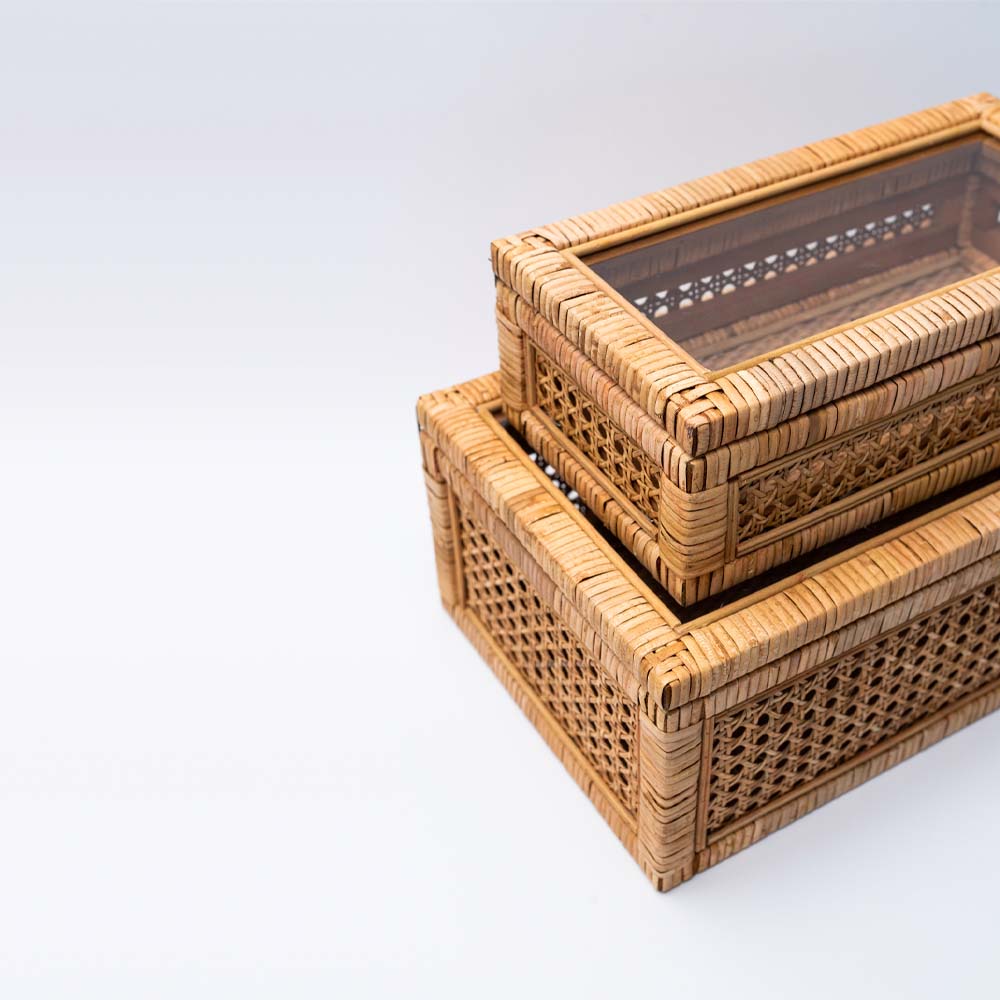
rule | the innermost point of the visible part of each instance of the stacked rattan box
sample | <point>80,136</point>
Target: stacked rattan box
<point>881,246</point>
<point>598,504</point>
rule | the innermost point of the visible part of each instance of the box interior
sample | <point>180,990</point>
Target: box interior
<point>760,279</point>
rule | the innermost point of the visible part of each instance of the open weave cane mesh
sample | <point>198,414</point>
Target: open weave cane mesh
<point>777,742</point>
<point>863,459</point>
<point>588,706</point>
<point>626,466</point>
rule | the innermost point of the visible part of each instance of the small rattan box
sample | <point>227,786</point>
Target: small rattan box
<point>752,365</point>
<point>698,731</point>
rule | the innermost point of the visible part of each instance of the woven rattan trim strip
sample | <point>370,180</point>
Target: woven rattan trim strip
<point>591,710</point>
<point>586,426</point>
<point>850,465</point>
<point>778,742</point>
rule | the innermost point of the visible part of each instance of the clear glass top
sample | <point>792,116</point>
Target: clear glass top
<point>755,280</point>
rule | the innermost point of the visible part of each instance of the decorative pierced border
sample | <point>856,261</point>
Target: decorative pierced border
<point>662,302</point>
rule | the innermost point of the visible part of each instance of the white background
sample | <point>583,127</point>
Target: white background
<point>243,752</point>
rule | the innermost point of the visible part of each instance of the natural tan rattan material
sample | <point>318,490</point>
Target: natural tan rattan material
<point>697,733</point>
<point>715,476</point>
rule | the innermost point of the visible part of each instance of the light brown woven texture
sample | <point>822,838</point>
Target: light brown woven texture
<point>695,738</point>
<point>714,478</point>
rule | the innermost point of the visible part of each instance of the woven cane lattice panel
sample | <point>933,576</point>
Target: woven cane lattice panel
<point>625,465</point>
<point>784,739</point>
<point>586,704</point>
<point>785,260</point>
<point>866,458</point>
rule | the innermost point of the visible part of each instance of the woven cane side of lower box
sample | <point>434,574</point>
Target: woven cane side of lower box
<point>797,746</point>
<point>775,743</point>
<point>583,715</point>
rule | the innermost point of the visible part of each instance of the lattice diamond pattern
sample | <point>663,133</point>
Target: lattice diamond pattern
<point>783,739</point>
<point>624,464</point>
<point>587,705</point>
<point>867,458</point>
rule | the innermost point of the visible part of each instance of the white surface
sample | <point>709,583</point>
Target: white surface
<point>236,728</point>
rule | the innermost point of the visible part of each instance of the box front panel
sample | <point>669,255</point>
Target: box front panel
<point>765,752</point>
<point>802,485</point>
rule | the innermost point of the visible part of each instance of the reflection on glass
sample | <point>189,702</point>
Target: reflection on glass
<point>759,279</point>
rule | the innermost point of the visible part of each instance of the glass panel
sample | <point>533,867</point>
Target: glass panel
<point>758,279</point>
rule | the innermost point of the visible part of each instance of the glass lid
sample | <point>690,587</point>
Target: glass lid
<point>757,280</point>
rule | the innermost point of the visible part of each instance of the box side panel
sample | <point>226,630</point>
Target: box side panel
<point>555,737</point>
<point>541,650</point>
<point>628,469</point>
<point>598,718</point>
<point>587,707</point>
<point>778,742</point>
<point>779,754</point>
<point>613,511</point>
<point>850,466</point>
<point>894,752</point>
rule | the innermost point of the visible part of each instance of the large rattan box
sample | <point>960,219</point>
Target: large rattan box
<point>697,732</point>
<point>752,365</point>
